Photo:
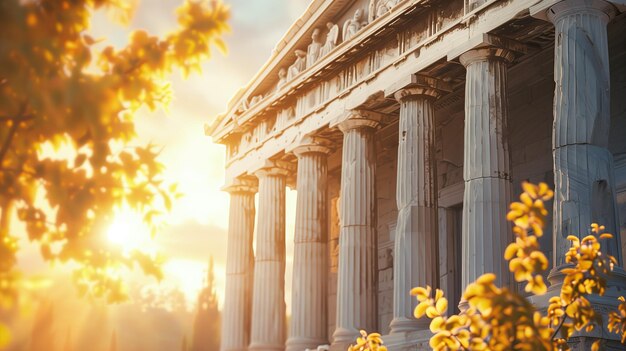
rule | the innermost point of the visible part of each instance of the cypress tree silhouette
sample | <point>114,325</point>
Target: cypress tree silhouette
<point>206,328</point>
<point>42,335</point>
<point>68,340</point>
<point>183,346</point>
<point>113,344</point>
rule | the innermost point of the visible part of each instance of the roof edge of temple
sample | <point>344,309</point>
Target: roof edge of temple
<point>317,13</point>
<point>213,129</point>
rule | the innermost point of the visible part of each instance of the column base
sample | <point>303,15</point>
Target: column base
<point>616,286</point>
<point>463,305</point>
<point>407,325</point>
<point>412,341</point>
<point>301,344</point>
<point>344,337</point>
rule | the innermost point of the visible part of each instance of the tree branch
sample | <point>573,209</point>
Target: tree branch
<point>16,118</point>
<point>12,131</point>
<point>7,141</point>
<point>560,324</point>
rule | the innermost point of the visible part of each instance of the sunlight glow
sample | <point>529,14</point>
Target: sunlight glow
<point>129,231</point>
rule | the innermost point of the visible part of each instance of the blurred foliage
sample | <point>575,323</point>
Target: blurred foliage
<point>62,92</point>
<point>373,342</point>
<point>501,319</point>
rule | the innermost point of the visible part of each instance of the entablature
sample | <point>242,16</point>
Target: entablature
<point>379,57</point>
<point>276,81</point>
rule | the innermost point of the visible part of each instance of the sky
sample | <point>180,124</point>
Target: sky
<point>197,225</point>
<point>199,221</point>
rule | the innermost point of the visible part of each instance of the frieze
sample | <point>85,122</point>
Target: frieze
<point>303,101</point>
<point>311,99</point>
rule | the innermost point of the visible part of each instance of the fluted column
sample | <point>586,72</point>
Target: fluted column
<point>358,276</point>
<point>239,268</point>
<point>583,165</point>
<point>416,246</point>
<point>309,322</point>
<point>268,306</point>
<point>486,169</point>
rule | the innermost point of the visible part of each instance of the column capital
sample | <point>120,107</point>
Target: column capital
<point>487,46</point>
<point>552,10</point>
<point>310,144</point>
<point>357,119</point>
<point>240,185</point>
<point>416,85</point>
<point>486,54</point>
<point>274,168</point>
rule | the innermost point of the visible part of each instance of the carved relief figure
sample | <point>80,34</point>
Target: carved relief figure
<point>282,78</point>
<point>331,39</point>
<point>353,25</point>
<point>255,100</point>
<point>314,49</point>
<point>378,8</point>
<point>298,66</point>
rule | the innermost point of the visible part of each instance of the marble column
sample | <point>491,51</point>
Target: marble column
<point>357,282</point>
<point>309,322</point>
<point>583,165</point>
<point>416,245</point>
<point>268,300</point>
<point>239,268</point>
<point>486,170</point>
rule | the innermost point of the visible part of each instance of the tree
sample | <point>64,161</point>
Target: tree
<point>206,327</point>
<point>43,335</point>
<point>113,343</point>
<point>501,319</point>
<point>61,90</point>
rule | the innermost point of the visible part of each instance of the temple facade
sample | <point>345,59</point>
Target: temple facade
<point>406,127</point>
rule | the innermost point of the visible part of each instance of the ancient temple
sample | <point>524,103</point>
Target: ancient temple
<point>406,127</point>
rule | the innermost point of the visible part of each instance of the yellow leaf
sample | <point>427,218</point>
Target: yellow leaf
<point>596,345</point>
<point>421,293</point>
<point>5,336</point>
<point>486,278</point>
<point>511,251</point>
<point>431,312</point>
<point>420,309</point>
<point>437,324</point>
<point>606,236</point>
<point>442,305</point>
<point>529,188</point>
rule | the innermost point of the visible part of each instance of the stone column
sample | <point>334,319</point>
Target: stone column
<point>268,306</point>
<point>358,276</point>
<point>309,322</point>
<point>486,171</point>
<point>239,268</point>
<point>416,245</point>
<point>583,165</point>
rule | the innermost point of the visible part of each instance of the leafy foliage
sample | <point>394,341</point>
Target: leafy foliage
<point>60,90</point>
<point>372,342</point>
<point>500,319</point>
<point>617,320</point>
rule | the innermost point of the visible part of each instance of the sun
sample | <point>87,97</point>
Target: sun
<point>130,232</point>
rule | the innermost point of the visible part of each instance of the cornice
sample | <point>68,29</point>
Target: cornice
<point>219,131</point>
